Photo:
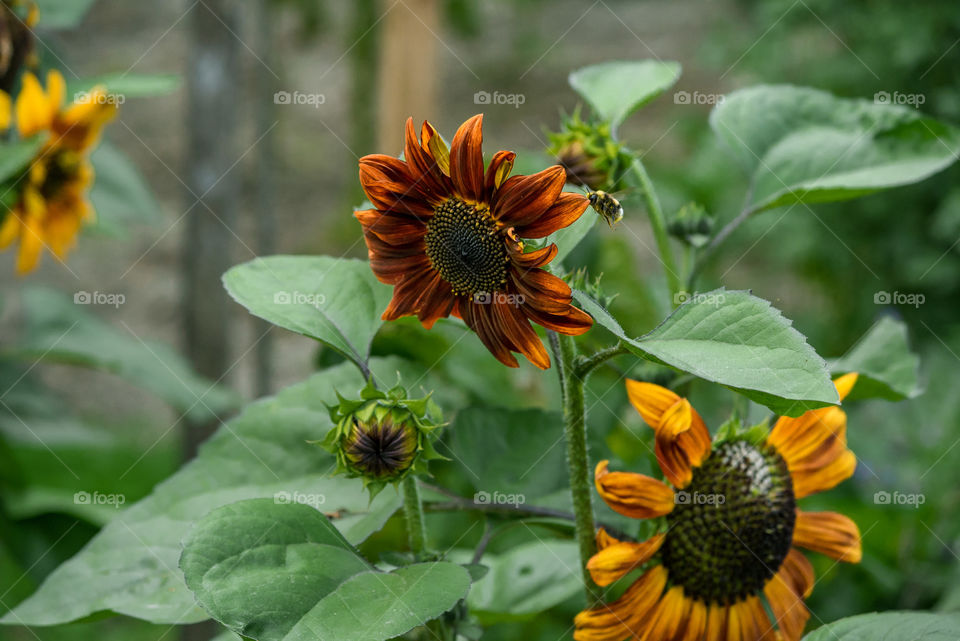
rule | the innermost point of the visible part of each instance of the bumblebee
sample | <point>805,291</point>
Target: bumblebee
<point>607,206</point>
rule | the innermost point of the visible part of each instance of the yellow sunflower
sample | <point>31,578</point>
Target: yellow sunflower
<point>51,201</point>
<point>732,527</point>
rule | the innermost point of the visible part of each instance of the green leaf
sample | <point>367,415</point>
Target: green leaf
<point>120,195</point>
<point>509,451</point>
<point>62,14</point>
<point>128,85</point>
<point>283,572</point>
<point>738,340</point>
<point>886,366</point>
<point>63,331</point>
<point>804,145</point>
<point>617,89</point>
<point>16,156</point>
<point>890,626</point>
<point>526,580</point>
<point>130,567</point>
<point>337,301</point>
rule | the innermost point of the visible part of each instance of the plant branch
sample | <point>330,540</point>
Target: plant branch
<point>586,364</point>
<point>659,225</point>
<point>413,511</point>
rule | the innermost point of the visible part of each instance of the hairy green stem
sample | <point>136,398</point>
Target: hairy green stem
<point>413,511</point>
<point>659,225</point>
<point>586,364</point>
<point>575,430</point>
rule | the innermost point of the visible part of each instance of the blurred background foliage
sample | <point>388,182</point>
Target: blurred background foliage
<point>822,266</point>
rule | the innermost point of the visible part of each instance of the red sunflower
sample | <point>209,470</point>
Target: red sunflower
<point>447,234</point>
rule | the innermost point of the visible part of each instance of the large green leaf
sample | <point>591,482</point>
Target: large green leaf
<point>130,567</point>
<point>890,626</point>
<point>617,89</point>
<point>806,145</point>
<point>569,237</point>
<point>337,301</point>
<point>738,340</point>
<point>887,367</point>
<point>283,572</point>
<point>527,580</point>
<point>120,195</point>
<point>15,156</point>
<point>62,331</point>
<point>62,14</point>
<point>127,85</point>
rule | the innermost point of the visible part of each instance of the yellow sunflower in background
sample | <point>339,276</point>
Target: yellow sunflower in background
<point>51,202</point>
<point>733,527</point>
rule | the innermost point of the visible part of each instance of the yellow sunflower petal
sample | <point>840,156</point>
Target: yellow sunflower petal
<point>31,245</point>
<point>651,401</point>
<point>625,617</point>
<point>604,539</point>
<point>10,228</point>
<point>824,478</point>
<point>33,109</point>
<point>828,533</point>
<point>668,616</point>
<point>696,624</point>
<point>633,495</point>
<point>845,383</point>
<point>785,593</point>
<point>6,110</point>
<point>431,139</point>
<point>616,561</point>
<point>716,629</point>
<point>56,90</point>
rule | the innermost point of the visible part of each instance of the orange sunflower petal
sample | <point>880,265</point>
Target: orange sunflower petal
<point>563,213</point>
<point>830,533</point>
<point>633,495</point>
<point>605,539</point>
<point>466,159</point>
<point>827,477</point>
<point>668,617</point>
<point>431,139</point>
<point>651,401</point>
<point>497,172</point>
<point>613,562</point>
<point>625,617</point>
<point>521,200</point>
<point>695,626</point>
<point>785,593</point>
<point>424,170</point>
<point>716,628</point>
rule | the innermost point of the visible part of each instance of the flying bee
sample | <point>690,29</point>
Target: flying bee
<point>607,206</point>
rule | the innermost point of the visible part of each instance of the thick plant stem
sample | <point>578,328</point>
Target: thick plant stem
<point>659,225</point>
<point>413,511</point>
<point>575,429</point>
<point>586,364</point>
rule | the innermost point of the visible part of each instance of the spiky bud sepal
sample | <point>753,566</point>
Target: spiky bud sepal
<point>382,437</point>
<point>589,154</point>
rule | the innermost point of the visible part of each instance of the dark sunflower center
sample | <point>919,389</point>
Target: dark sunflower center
<point>464,245</point>
<point>732,525</point>
<point>381,450</point>
<point>61,169</point>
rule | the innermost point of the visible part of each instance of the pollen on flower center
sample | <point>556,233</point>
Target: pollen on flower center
<point>732,525</point>
<point>463,244</point>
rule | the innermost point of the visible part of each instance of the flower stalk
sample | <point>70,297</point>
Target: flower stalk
<point>659,225</point>
<point>413,512</point>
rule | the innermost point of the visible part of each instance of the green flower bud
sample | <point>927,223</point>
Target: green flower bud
<point>382,437</point>
<point>588,153</point>
<point>692,224</point>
